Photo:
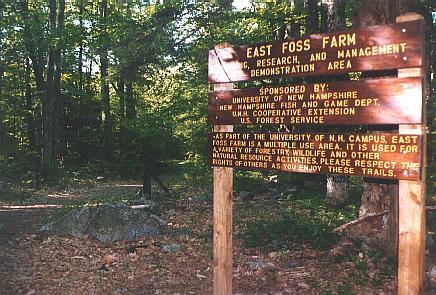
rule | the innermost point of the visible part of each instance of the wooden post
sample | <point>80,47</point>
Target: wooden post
<point>411,223</point>
<point>222,215</point>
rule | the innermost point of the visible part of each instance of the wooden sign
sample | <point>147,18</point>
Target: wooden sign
<point>378,101</point>
<point>373,48</point>
<point>378,155</point>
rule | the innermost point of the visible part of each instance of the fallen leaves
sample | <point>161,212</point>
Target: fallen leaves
<point>177,264</point>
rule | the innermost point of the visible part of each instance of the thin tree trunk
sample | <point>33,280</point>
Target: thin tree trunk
<point>146,180</point>
<point>107,117</point>
<point>2,128</point>
<point>37,59</point>
<point>48,102</point>
<point>89,79</point>
<point>130,102</point>
<point>122,97</point>
<point>29,108</point>
<point>80,142</point>
<point>59,138</point>
<point>121,92</point>
<point>333,18</point>
<point>38,71</point>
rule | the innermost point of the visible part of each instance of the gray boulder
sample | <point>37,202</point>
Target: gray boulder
<point>107,223</point>
<point>171,248</point>
<point>74,223</point>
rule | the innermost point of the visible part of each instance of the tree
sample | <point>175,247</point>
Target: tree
<point>105,97</point>
<point>50,86</point>
<point>379,195</point>
<point>333,19</point>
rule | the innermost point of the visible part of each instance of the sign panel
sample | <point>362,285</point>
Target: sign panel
<point>378,101</point>
<point>378,155</point>
<point>373,48</point>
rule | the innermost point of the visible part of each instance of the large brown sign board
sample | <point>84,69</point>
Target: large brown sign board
<point>373,48</point>
<point>378,155</point>
<point>377,101</point>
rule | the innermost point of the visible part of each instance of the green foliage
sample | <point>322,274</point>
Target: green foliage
<point>249,181</point>
<point>14,196</point>
<point>290,230</point>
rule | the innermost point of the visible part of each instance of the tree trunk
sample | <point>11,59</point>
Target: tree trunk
<point>333,19</point>
<point>333,15</point>
<point>312,19</point>
<point>107,117</point>
<point>121,92</point>
<point>52,110</point>
<point>381,195</point>
<point>60,144</point>
<point>2,128</point>
<point>29,108</point>
<point>48,102</point>
<point>146,180</point>
<point>80,142</point>
<point>122,97</point>
<point>130,102</point>
<point>41,86</point>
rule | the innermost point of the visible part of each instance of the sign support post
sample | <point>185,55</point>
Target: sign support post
<point>222,215</point>
<point>400,156</point>
<point>411,217</point>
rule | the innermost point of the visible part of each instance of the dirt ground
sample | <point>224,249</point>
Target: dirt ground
<point>33,264</point>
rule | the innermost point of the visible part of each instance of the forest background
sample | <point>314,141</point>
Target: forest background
<point>110,85</point>
<point>108,88</point>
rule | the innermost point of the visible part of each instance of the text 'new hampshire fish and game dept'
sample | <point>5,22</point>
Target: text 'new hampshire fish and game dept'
<point>379,155</point>
<point>373,48</point>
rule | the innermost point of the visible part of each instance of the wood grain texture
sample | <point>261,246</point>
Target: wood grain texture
<point>411,244</point>
<point>377,155</point>
<point>298,57</point>
<point>222,216</point>
<point>367,102</point>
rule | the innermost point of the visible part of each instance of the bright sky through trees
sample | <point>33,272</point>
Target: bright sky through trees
<point>241,4</point>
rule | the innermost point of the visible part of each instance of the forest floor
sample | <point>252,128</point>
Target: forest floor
<point>33,264</point>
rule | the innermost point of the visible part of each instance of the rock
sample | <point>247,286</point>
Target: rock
<point>74,223</point>
<point>149,204</point>
<point>245,196</point>
<point>259,264</point>
<point>292,264</point>
<point>170,248</point>
<point>101,178</point>
<point>107,223</point>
